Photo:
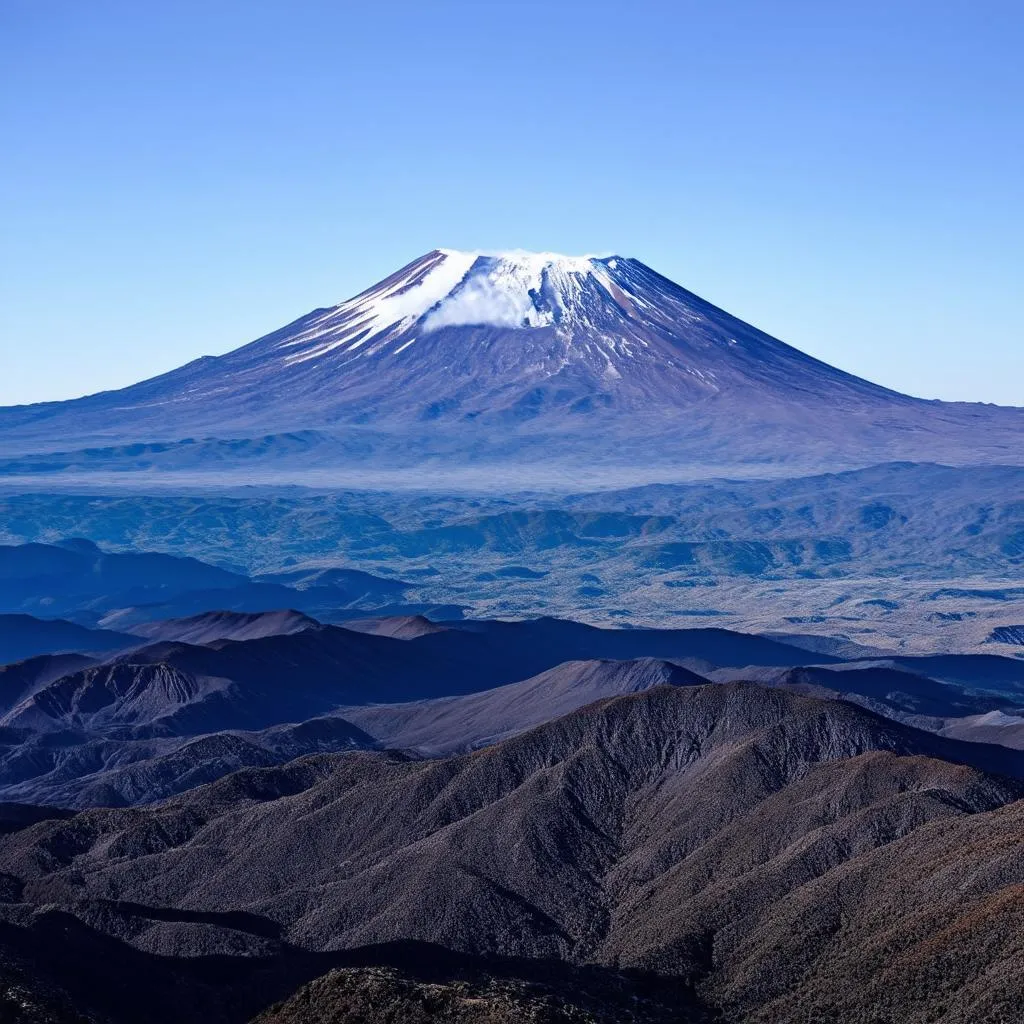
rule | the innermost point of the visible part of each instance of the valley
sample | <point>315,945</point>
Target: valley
<point>902,557</point>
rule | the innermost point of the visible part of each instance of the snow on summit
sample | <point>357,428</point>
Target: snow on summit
<point>453,288</point>
<point>522,333</point>
<point>507,289</point>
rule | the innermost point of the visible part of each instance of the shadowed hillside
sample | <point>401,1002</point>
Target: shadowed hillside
<point>746,840</point>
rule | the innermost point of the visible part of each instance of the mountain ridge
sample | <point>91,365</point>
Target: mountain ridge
<point>721,835</point>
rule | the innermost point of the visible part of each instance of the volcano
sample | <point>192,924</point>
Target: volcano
<point>527,365</point>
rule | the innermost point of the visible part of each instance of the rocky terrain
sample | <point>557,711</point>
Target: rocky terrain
<point>752,843</point>
<point>367,995</point>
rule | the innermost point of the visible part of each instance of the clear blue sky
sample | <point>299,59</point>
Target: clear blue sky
<point>178,178</point>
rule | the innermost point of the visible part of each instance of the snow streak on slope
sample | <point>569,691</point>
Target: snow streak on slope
<point>383,310</point>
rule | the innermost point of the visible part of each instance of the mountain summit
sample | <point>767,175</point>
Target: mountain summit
<point>494,360</point>
<point>523,333</point>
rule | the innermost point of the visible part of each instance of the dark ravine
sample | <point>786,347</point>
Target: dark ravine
<point>58,971</point>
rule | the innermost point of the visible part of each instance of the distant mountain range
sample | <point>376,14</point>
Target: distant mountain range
<point>124,592</point>
<point>898,556</point>
<point>534,365</point>
<point>257,690</point>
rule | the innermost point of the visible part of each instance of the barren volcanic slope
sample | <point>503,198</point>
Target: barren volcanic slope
<point>535,360</point>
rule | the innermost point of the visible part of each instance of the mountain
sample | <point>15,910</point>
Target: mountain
<point>176,688</point>
<point>898,693</point>
<point>531,361</point>
<point>447,725</point>
<point>991,727</point>
<point>169,715</point>
<point>173,688</point>
<point>85,770</point>
<point>24,636</point>
<point>21,679</point>
<point>260,690</point>
<point>221,625</point>
<point>76,577</point>
<point>402,627</point>
<point>526,647</point>
<point>144,747</point>
<point>125,590</point>
<point>788,858</point>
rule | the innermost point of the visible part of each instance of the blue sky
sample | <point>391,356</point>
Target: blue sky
<point>179,178</point>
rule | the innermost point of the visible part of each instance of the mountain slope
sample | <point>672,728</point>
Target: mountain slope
<point>75,574</point>
<point>93,769</point>
<point>175,688</point>
<point>222,625</point>
<point>447,725</point>
<point>754,842</point>
<point>82,770</point>
<point>509,358</point>
<point>124,589</point>
<point>25,636</point>
<point>122,757</point>
<point>20,679</point>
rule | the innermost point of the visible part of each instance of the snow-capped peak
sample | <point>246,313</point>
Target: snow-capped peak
<point>451,288</point>
<point>515,289</point>
<point>529,262</point>
<point>481,356</point>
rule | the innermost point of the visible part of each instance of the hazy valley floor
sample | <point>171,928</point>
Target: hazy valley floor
<point>903,557</point>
